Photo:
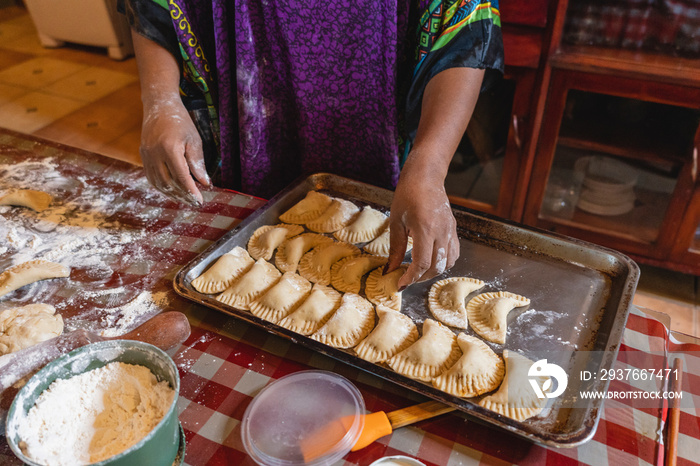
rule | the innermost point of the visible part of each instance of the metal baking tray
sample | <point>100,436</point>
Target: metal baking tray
<point>580,298</point>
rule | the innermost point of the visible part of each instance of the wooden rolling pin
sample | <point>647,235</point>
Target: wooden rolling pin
<point>165,330</point>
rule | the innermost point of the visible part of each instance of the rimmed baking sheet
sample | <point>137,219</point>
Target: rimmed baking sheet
<point>580,298</point>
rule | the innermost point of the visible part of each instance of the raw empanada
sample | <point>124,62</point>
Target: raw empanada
<point>30,272</point>
<point>394,333</point>
<point>309,208</point>
<point>478,371</point>
<point>35,200</point>
<point>224,271</point>
<point>282,298</point>
<point>446,300</point>
<point>366,226</point>
<point>335,217</point>
<point>380,246</point>
<point>22,327</point>
<point>347,273</point>
<point>383,289</point>
<point>316,264</point>
<point>515,398</point>
<point>488,313</point>
<point>430,355</point>
<point>349,325</point>
<point>264,240</point>
<point>313,312</point>
<point>260,278</point>
<point>291,251</point>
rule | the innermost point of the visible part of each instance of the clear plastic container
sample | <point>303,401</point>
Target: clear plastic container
<point>305,418</point>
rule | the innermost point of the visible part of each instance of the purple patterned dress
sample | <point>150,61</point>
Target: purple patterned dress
<point>284,89</point>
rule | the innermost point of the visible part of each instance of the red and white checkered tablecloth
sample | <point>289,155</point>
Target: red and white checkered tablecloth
<point>226,362</point>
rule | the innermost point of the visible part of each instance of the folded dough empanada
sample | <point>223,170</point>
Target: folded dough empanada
<point>316,264</point>
<point>430,355</point>
<point>285,296</point>
<point>261,276</point>
<point>22,327</point>
<point>394,333</point>
<point>488,313</point>
<point>335,217</point>
<point>478,371</point>
<point>264,240</point>
<point>380,246</point>
<point>309,208</point>
<point>224,271</point>
<point>35,200</point>
<point>313,312</point>
<point>349,325</point>
<point>365,227</point>
<point>447,300</point>
<point>291,251</point>
<point>30,272</point>
<point>347,273</point>
<point>383,289</point>
<point>515,398</point>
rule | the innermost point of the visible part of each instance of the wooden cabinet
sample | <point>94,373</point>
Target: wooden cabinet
<point>491,169</point>
<point>635,116</point>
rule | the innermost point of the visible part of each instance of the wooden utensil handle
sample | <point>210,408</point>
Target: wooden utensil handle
<point>165,330</point>
<point>427,410</point>
<point>674,415</point>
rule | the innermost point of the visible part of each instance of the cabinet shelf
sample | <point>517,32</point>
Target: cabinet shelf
<point>631,63</point>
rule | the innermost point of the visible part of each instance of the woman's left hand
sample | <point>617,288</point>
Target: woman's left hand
<point>421,210</point>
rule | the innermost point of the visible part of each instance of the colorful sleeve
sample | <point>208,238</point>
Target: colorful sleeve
<point>453,33</point>
<point>151,19</point>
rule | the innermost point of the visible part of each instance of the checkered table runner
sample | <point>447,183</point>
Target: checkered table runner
<point>226,362</point>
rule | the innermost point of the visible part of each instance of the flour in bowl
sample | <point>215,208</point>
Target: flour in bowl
<point>95,415</point>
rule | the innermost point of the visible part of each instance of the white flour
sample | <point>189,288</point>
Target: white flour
<point>94,415</point>
<point>81,230</point>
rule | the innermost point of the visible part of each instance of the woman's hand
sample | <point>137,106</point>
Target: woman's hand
<point>171,150</point>
<point>421,210</point>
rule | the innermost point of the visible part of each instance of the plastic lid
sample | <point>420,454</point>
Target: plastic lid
<point>305,418</point>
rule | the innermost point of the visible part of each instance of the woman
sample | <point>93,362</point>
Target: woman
<point>252,94</point>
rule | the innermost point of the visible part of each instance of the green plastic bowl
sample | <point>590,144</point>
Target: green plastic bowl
<point>163,446</point>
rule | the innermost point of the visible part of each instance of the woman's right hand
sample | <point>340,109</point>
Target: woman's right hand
<point>171,150</point>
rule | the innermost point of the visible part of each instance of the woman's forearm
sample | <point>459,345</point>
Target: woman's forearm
<point>158,71</point>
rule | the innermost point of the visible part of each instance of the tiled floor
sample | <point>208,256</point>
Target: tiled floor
<point>78,96</point>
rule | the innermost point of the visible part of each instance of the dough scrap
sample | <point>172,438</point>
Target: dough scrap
<point>313,312</point>
<point>478,371</point>
<point>383,289</point>
<point>365,227</point>
<point>316,264</point>
<point>260,278</point>
<point>515,398</point>
<point>434,352</point>
<point>380,245</point>
<point>347,273</point>
<point>224,271</point>
<point>287,294</point>
<point>488,313</point>
<point>30,272</point>
<point>35,200</point>
<point>335,217</point>
<point>308,209</point>
<point>349,325</point>
<point>290,252</point>
<point>22,327</point>
<point>264,240</point>
<point>446,299</point>
<point>394,333</point>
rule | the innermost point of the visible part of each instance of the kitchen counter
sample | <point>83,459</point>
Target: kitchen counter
<point>125,242</point>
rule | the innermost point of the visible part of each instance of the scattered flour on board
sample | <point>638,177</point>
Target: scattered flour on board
<point>95,415</point>
<point>80,230</point>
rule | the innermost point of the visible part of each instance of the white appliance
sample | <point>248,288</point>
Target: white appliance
<point>89,22</point>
